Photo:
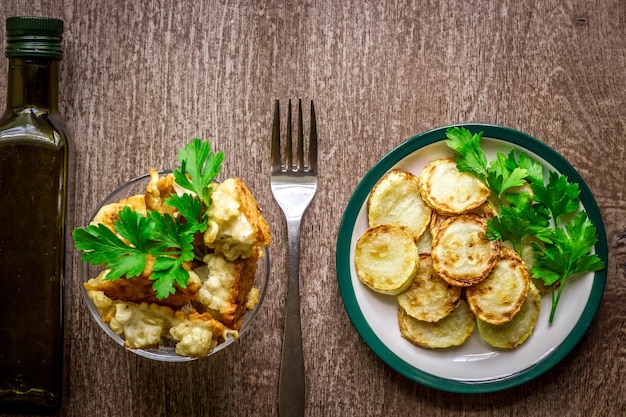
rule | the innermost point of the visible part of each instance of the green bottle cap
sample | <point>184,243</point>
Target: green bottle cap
<point>31,37</point>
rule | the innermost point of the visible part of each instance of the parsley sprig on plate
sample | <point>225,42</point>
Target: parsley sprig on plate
<point>166,238</point>
<point>543,214</point>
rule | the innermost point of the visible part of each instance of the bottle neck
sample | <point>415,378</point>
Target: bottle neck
<point>33,82</point>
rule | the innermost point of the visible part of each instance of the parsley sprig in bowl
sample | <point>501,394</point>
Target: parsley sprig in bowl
<point>175,265</point>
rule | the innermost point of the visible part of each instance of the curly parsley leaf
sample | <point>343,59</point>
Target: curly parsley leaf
<point>470,156</point>
<point>568,255</point>
<point>198,168</point>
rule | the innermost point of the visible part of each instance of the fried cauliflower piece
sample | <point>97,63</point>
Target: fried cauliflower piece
<point>143,325</point>
<point>196,334</point>
<point>108,214</point>
<point>139,289</point>
<point>226,287</point>
<point>235,222</point>
<point>158,190</point>
<point>146,325</point>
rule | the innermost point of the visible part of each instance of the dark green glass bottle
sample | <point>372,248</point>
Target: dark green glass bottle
<point>34,170</point>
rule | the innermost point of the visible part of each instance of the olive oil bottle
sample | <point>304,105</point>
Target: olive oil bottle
<point>34,173</point>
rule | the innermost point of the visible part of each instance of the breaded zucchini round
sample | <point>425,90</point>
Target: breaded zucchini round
<point>396,199</point>
<point>462,254</point>
<point>515,332</point>
<point>450,191</point>
<point>499,297</point>
<point>452,330</point>
<point>386,258</point>
<point>429,298</point>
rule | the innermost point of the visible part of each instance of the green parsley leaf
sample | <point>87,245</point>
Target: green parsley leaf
<point>470,156</point>
<point>534,170</point>
<point>190,208</point>
<point>101,246</point>
<point>503,175</point>
<point>518,220</point>
<point>568,255</point>
<point>559,195</point>
<point>198,167</point>
<point>167,272</point>
<point>169,234</point>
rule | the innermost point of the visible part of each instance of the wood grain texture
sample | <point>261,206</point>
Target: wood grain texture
<point>141,78</point>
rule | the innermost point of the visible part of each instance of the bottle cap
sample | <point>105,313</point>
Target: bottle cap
<point>31,37</point>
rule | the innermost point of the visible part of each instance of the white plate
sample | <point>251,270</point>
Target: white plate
<point>475,366</point>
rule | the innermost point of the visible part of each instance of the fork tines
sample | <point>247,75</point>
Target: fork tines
<point>299,165</point>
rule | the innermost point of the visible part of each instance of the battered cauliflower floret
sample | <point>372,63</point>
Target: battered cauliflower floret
<point>236,225</point>
<point>104,304</point>
<point>197,334</point>
<point>143,325</point>
<point>139,289</point>
<point>158,190</point>
<point>147,325</point>
<point>226,287</point>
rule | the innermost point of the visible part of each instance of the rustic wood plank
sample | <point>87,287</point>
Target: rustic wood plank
<point>141,78</point>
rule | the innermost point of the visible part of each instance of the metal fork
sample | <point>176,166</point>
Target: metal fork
<point>293,185</point>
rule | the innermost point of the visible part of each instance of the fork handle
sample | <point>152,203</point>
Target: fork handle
<point>291,385</point>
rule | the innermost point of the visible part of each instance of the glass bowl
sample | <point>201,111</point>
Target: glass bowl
<point>165,353</point>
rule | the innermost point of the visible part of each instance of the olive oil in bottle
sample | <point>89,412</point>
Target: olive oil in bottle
<point>34,164</point>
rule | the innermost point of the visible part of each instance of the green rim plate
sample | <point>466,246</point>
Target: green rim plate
<point>452,369</point>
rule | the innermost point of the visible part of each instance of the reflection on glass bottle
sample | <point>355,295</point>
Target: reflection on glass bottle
<point>34,164</point>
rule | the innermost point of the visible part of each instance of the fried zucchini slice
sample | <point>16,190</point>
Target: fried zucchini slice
<point>498,298</point>
<point>429,298</point>
<point>450,191</point>
<point>452,330</point>
<point>485,210</point>
<point>515,332</point>
<point>425,242</point>
<point>396,199</point>
<point>386,258</point>
<point>462,254</point>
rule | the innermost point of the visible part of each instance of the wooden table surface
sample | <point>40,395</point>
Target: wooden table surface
<point>140,79</point>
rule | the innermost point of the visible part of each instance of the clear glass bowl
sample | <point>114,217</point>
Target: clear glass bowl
<point>164,353</point>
